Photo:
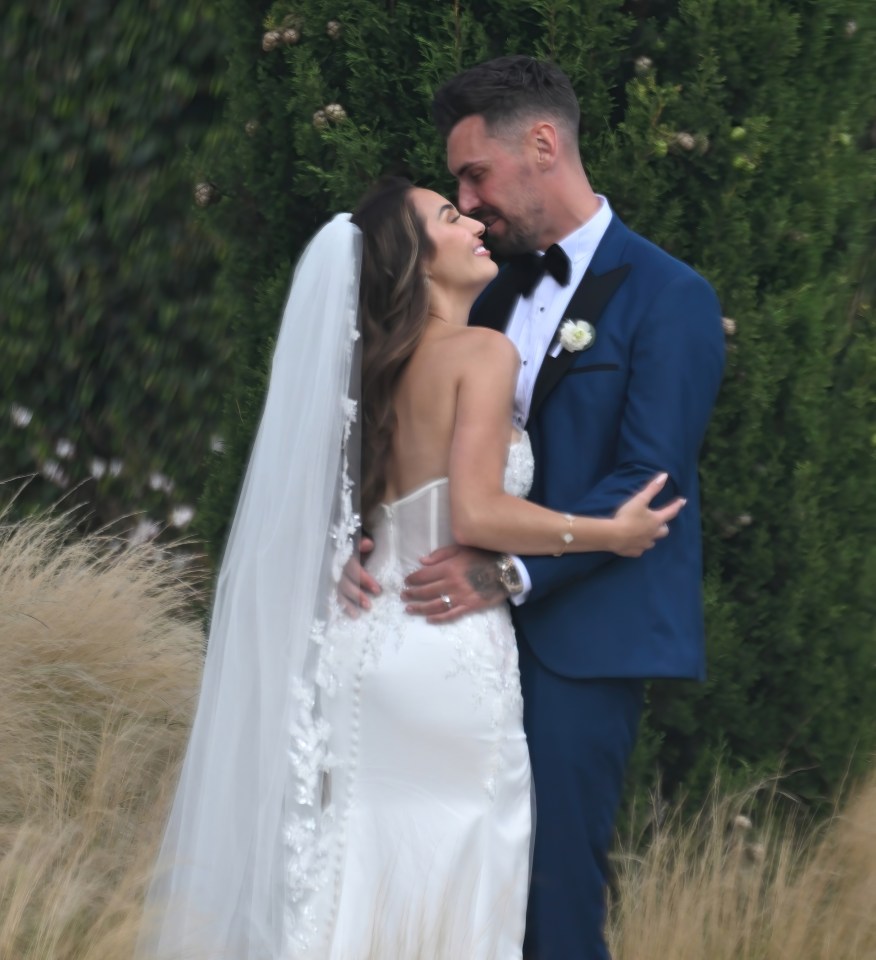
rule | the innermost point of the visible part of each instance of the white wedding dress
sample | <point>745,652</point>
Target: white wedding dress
<point>428,783</point>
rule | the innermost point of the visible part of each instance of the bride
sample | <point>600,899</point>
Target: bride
<point>358,786</point>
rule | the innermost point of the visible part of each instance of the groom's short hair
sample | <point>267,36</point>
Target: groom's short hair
<point>506,91</point>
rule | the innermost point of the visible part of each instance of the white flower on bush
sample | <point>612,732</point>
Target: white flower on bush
<point>115,467</point>
<point>65,448</point>
<point>97,467</point>
<point>577,335</point>
<point>158,481</point>
<point>182,516</point>
<point>54,473</point>
<point>145,530</point>
<point>20,415</point>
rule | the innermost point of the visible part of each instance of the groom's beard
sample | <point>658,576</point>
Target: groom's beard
<point>521,233</point>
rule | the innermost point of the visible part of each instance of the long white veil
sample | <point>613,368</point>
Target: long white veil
<point>242,848</point>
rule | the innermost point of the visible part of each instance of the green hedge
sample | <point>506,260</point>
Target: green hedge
<point>738,135</point>
<point>113,361</point>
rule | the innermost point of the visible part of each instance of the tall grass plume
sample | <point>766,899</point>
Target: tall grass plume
<point>723,887</point>
<point>100,666</point>
<point>100,659</point>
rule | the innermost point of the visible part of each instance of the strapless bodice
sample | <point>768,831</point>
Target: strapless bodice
<point>419,522</point>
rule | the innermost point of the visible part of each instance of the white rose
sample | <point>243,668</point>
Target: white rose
<point>576,335</point>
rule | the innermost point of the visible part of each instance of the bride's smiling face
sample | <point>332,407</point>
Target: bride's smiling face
<point>460,259</point>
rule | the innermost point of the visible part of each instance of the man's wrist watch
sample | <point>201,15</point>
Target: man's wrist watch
<point>509,575</point>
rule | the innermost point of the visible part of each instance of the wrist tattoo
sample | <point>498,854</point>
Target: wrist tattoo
<point>484,580</point>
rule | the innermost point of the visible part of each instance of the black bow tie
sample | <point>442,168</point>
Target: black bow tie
<point>528,268</point>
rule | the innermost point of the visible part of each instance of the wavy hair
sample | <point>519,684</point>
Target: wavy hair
<point>393,311</point>
<point>506,91</point>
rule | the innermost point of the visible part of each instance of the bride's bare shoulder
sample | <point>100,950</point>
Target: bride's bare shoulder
<point>480,343</point>
<point>469,352</point>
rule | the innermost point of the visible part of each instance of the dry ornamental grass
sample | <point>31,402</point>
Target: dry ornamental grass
<point>721,888</point>
<point>101,657</point>
<point>100,666</point>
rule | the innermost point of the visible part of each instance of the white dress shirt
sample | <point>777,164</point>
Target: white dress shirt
<point>534,323</point>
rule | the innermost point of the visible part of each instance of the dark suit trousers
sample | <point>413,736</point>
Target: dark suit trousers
<point>580,734</point>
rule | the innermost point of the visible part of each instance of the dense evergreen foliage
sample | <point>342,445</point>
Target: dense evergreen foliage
<point>738,135</point>
<point>112,360</point>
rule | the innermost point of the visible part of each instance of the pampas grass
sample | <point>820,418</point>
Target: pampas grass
<point>100,659</point>
<point>720,888</point>
<point>100,667</point>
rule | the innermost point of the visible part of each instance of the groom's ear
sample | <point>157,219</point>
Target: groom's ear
<point>546,142</point>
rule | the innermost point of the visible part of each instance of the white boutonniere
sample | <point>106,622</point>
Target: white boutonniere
<point>577,335</point>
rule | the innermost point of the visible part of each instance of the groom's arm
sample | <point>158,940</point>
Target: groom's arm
<point>677,359</point>
<point>676,364</point>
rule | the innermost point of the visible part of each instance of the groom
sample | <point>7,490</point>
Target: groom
<point>632,398</point>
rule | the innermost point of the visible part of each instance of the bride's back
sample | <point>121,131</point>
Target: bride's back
<point>454,403</point>
<point>425,408</point>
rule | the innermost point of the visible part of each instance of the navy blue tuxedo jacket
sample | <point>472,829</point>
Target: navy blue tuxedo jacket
<point>603,421</point>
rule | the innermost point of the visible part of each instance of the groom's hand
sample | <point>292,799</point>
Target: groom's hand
<point>357,585</point>
<point>453,581</point>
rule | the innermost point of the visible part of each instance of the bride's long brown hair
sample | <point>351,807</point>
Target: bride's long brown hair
<point>393,312</point>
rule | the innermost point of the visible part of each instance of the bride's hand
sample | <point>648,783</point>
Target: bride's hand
<point>357,585</point>
<point>638,527</point>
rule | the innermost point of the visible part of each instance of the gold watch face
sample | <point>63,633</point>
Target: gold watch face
<point>508,576</point>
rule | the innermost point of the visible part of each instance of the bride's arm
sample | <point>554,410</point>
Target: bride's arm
<point>483,515</point>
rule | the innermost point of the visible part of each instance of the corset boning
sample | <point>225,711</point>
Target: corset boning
<point>411,527</point>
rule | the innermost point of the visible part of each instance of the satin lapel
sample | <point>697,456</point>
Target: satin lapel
<point>587,303</point>
<point>493,307</point>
